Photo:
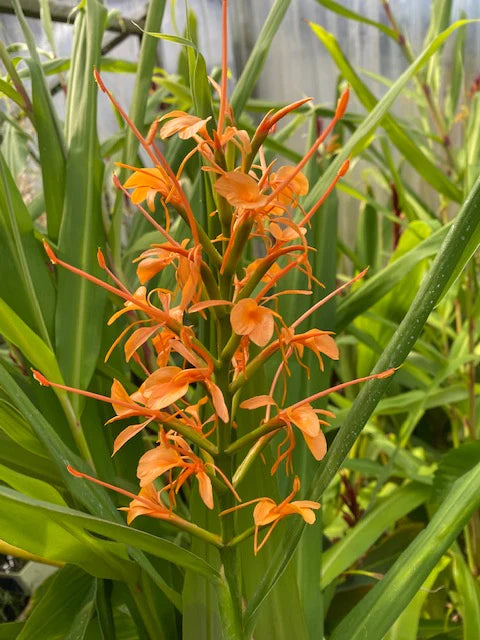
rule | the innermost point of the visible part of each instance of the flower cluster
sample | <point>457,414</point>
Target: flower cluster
<point>192,388</point>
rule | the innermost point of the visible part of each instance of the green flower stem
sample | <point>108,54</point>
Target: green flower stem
<point>193,436</point>
<point>268,427</point>
<point>452,254</point>
<point>241,537</point>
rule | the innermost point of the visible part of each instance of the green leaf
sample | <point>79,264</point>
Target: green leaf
<point>380,284</point>
<point>251,72</point>
<point>379,609</point>
<point>51,146</point>
<point>41,533</point>
<point>33,348</point>
<point>8,90</point>
<point>406,625</point>
<point>79,317</point>
<point>358,540</point>
<point>25,284</point>
<point>469,592</point>
<point>375,117</point>
<point>453,465</point>
<point>14,425</point>
<point>51,142</point>
<point>63,518</point>
<point>63,609</point>
<point>352,15</point>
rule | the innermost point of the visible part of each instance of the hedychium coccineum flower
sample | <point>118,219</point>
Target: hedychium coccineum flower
<point>192,387</point>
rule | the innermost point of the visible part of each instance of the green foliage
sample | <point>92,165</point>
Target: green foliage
<point>397,543</point>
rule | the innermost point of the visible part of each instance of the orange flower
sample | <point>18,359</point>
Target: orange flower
<point>240,190</point>
<point>152,262</point>
<point>268,511</point>
<point>146,183</point>
<point>148,503</point>
<point>306,419</point>
<point>186,125</point>
<point>316,340</point>
<point>298,186</point>
<point>248,318</point>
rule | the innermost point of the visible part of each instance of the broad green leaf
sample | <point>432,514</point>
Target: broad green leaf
<point>58,613</point>
<point>62,518</point>
<point>30,486</point>
<point>358,540</point>
<point>79,315</point>
<point>379,609</point>
<point>352,15</point>
<point>51,146</point>
<point>30,344</point>
<point>400,139</point>
<point>376,115</point>
<point>251,72</point>
<point>39,532</point>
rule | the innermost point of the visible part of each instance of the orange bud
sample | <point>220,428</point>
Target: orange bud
<point>344,168</point>
<point>49,252</point>
<point>100,259</point>
<point>40,378</point>
<point>342,103</point>
<point>99,80</point>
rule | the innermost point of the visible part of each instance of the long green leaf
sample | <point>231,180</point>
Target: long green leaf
<point>65,517</point>
<point>24,283</point>
<point>376,115</point>
<point>376,613</point>
<point>51,142</point>
<point>352,15</point>
<point>253,68</point>
<point>79,317</point>
<point>400,139</point>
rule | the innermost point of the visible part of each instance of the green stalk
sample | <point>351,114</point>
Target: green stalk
<point>450,258</point>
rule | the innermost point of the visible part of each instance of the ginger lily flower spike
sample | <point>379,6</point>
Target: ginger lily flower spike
<point>200,340</point>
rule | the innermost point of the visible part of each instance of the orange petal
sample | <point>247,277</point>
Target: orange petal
<point>205,488</point>
<point>317,445</point>
<point>257,401</point>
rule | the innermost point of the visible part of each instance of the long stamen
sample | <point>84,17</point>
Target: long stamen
<point>223,92</point>
<point>41,379</point>
<point>339,387</point>
<point>327,298</point>
<point>148,503</point>
<point>145,213</point>
<point>341,172</point>
<point>342,103</point>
